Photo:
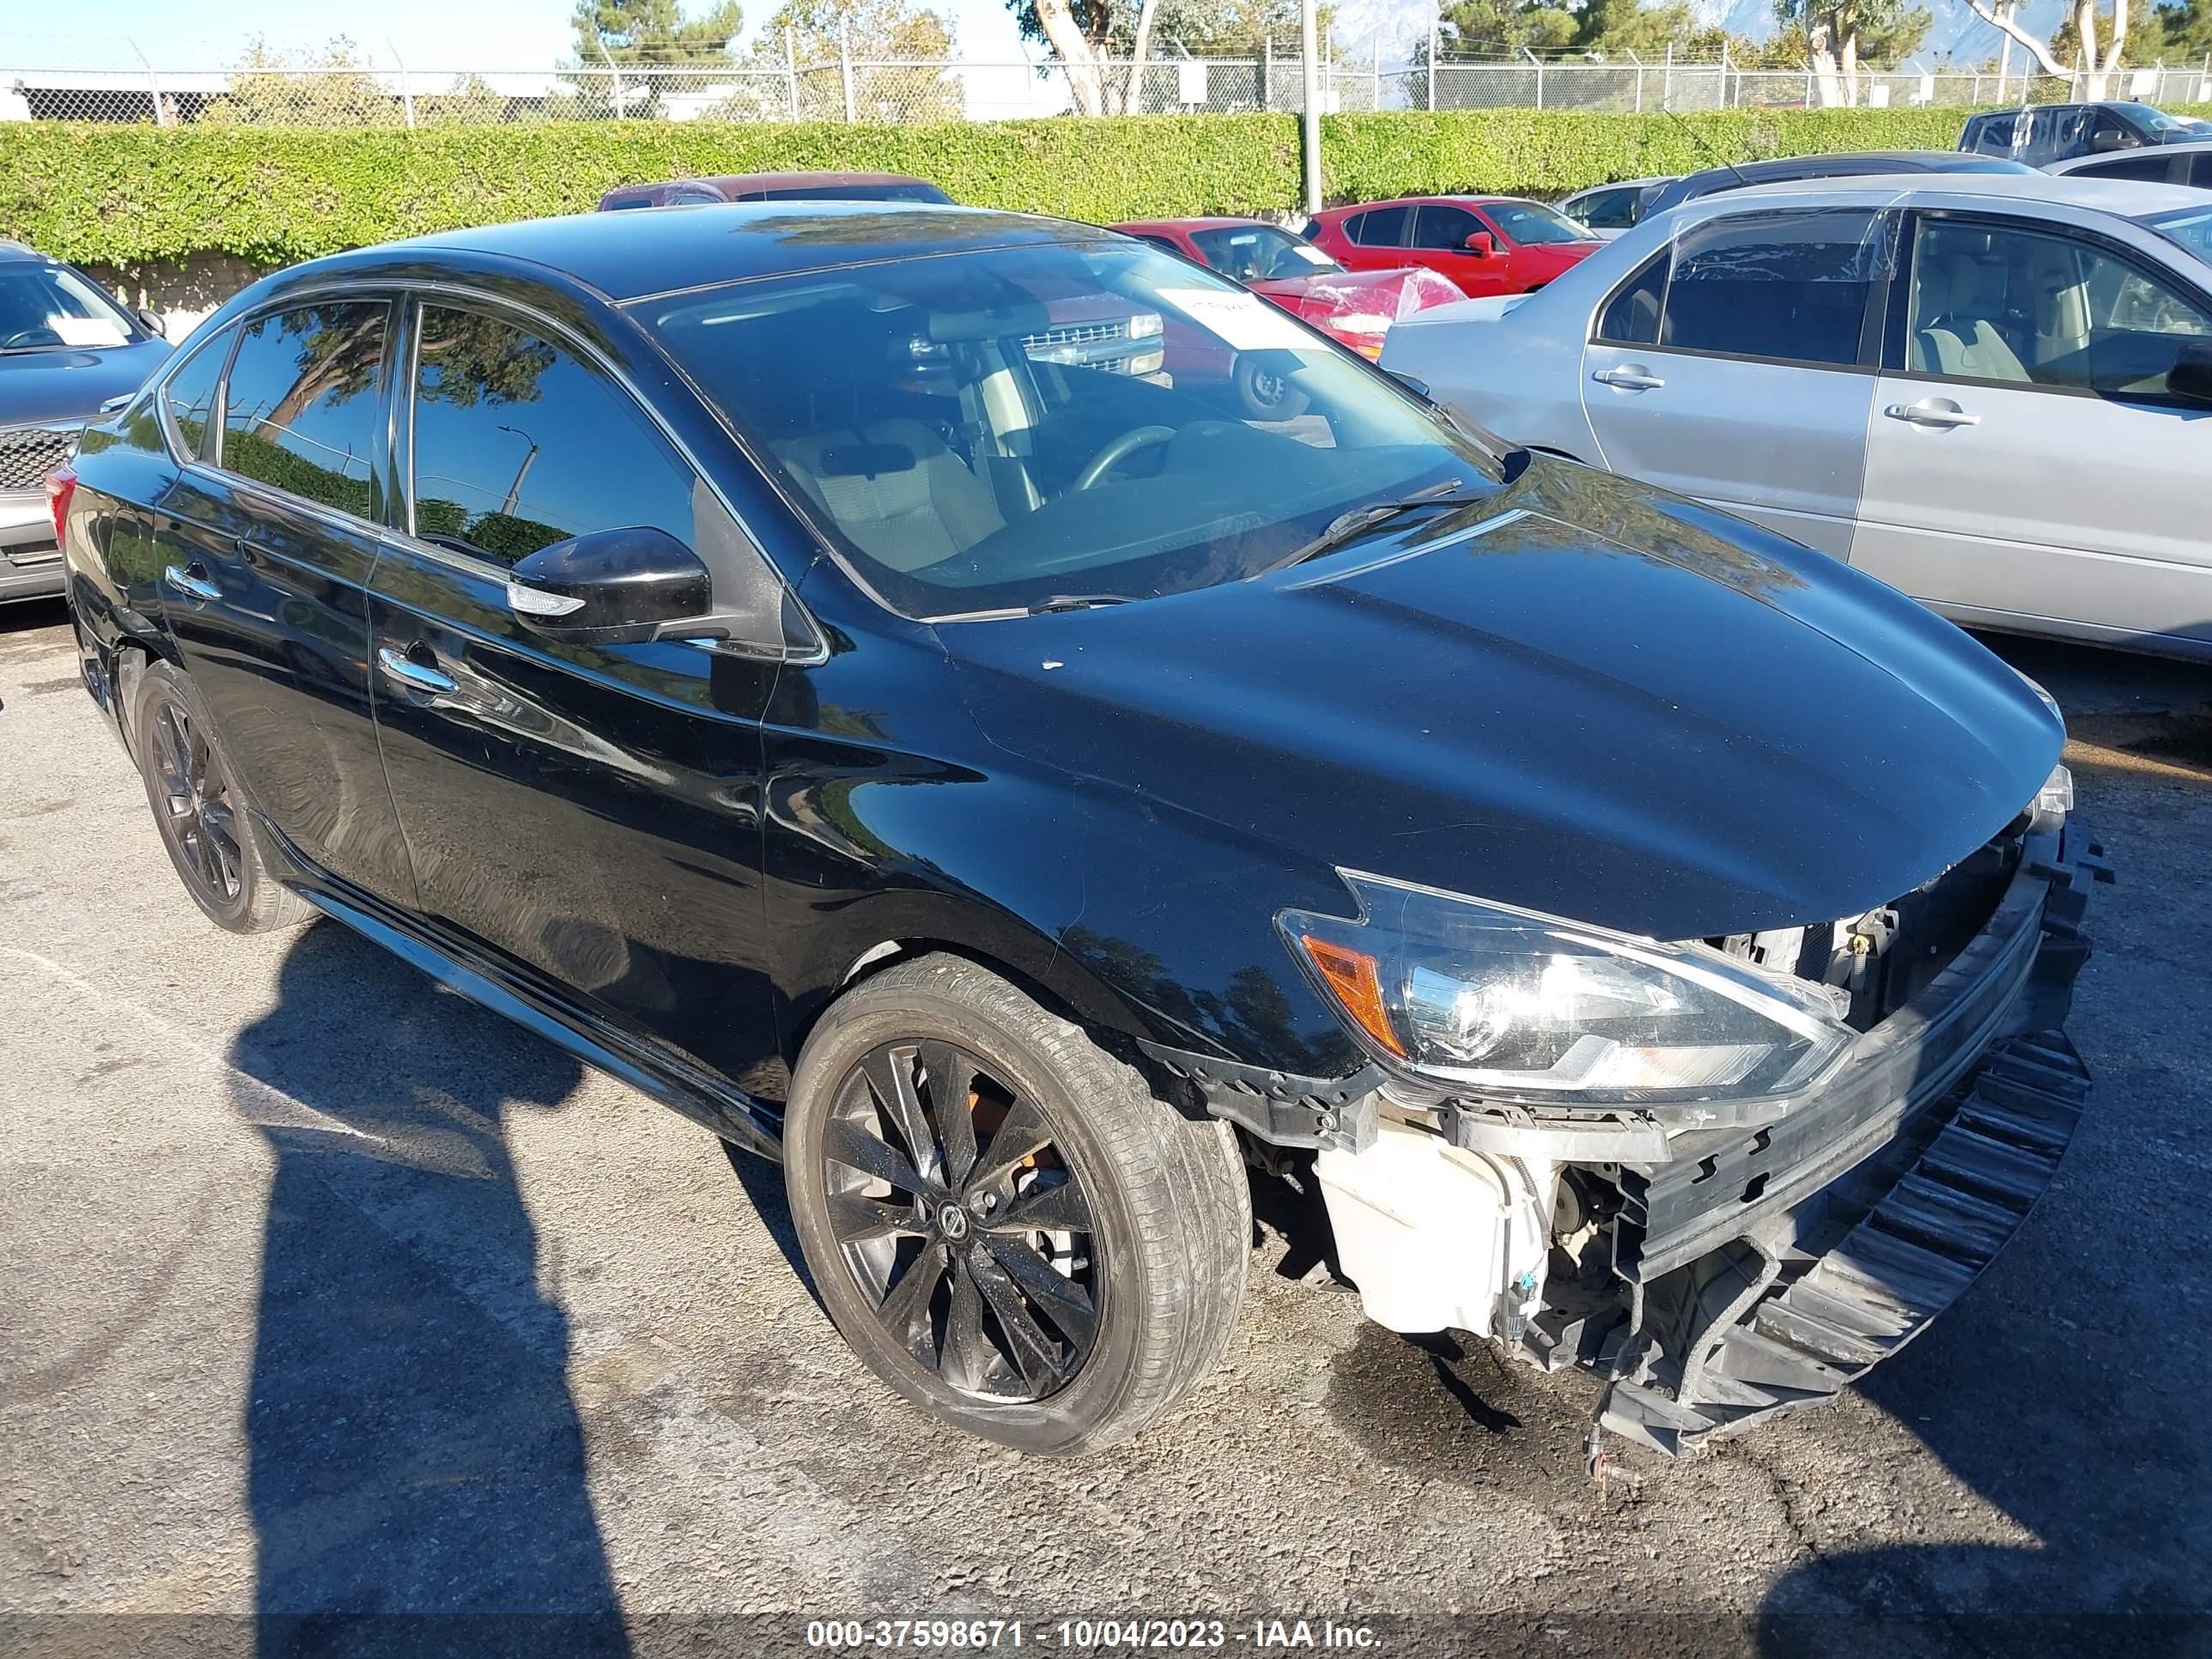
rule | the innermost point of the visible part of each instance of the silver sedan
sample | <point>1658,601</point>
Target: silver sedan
<point>1993,392</point>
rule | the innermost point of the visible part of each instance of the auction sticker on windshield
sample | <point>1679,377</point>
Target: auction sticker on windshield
<point>1243,322</point>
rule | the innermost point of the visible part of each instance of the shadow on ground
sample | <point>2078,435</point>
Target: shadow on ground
<point>415,1453</point>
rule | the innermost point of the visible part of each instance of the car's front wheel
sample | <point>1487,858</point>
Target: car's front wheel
<point>1002,1218</point>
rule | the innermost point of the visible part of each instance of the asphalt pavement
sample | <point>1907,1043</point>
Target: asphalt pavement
<point>323,1290</point>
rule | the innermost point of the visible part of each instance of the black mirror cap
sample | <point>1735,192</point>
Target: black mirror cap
<point>2189,380</point>
<point>610,587</point>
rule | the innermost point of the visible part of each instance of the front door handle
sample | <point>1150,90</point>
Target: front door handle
<point>1932,411</point>
<point>404,669</point>
<point>1629,377</point>
<point>191,580</point>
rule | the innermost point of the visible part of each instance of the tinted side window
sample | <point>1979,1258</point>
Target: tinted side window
<point>1632,318</point>
<point>190,396</point>
<point>1614,211</point>
<point>2153,167</point>
<point>517,445</point>
<point>1791,287</point>
<point>2200,170</point>
<point>1992,135</point>
<point>1380,228</point>
<point>302,403</point>
<point>1446,228</point>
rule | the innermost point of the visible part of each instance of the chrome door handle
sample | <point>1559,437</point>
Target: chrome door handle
<point>190,579</point>
<point>398,666</point>
<point>1932,411</point>
<point>1631,378</point>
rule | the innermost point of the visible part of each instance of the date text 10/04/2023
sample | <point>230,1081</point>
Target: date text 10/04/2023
<point>1087,1634</point>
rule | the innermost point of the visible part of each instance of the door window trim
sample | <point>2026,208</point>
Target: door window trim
<point>1899,318</point>
<point>1874,322</point>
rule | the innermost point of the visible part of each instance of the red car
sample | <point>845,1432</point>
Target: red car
<point>1486,244</point>
<point>1356,307</point>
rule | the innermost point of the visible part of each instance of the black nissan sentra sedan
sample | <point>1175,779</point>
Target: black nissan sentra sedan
<point>1023,797</point>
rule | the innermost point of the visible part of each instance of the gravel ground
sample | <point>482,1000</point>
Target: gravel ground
<point>326,1291</point>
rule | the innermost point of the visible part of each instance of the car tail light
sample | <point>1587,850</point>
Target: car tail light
<point>61,487</point>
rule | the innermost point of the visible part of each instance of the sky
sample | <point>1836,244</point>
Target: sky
<point>427,35</point>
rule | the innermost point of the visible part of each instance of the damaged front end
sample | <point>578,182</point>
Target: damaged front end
<point>1725,1213</point>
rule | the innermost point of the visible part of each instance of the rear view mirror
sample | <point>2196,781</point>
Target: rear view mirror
<point>2191,377</point>
<point>1481,243</point>
<point>609,587</point>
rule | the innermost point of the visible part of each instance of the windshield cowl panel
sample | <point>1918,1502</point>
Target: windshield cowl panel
<point>980,433</point>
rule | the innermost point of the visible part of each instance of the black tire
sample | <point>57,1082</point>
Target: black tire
<point>1157,1268</point>
<point>1266,395</point>
<point>198,807</point>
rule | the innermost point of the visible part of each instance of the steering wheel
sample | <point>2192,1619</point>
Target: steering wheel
<point>1118,451</point>
<point>30,336</point>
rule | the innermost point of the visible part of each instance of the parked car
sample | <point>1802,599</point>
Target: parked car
<point>1486,244</point>
<point>2042,133</point>
<point>65,349</point>
<point>1992,392</point>
<point>1785,169</point>
<point>1013,793</point>
<point>1354,307</point>
<point>1606,210</point>
<point>2185,162</point>
<point>774,187</point>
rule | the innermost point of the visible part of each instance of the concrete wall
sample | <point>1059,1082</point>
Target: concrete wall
<point>180,294</point>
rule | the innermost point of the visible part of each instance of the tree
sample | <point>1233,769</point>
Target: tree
<point>330,88</point>
<point>652,34</point>
<point>884,36</point>
<point>2185,30</point>
<point>1837,33</point>
<point>2095,62</point>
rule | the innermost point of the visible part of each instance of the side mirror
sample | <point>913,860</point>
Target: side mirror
<point>610,587</point>
<point>151,322</point>
<point>2191,377</point>
<point>1482,245</point>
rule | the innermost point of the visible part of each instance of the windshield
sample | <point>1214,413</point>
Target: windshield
<point>49,308</point>
<point>1256,253</point>
<point>913,191</point>
<point>1528,222</point>
<point>2192,228</point>
<point>983,432</point>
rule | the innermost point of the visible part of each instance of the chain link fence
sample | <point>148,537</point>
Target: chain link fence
<point>861,90</point>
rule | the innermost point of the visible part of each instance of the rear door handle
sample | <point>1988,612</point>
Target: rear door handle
<point>1629,377</point>
<point>191,580</point>
<point>1932,411</point>
<point>404,668</point>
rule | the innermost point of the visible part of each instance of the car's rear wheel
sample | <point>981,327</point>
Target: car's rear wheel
<point>1266,394</point>
<point>199,808</point>
<point>1003,1220</point>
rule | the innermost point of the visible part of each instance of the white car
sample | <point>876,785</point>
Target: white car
<point>1993,392</point>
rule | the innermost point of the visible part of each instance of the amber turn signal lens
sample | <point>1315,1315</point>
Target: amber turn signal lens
<point>1352,974</point>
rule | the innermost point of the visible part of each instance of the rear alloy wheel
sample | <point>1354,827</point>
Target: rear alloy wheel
<point>199,809</point>
<point>1002,1219</point>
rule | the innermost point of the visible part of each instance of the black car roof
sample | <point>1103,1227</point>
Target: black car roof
<point>625,256</point>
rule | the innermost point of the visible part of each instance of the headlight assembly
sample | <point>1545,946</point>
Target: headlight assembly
<point>1518,1005</point>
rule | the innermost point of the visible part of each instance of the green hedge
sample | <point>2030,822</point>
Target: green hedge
<point>129,196</point>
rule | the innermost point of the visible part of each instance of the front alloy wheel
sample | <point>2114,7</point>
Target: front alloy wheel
<point>1002,1218</point>
<point>956,1214</point>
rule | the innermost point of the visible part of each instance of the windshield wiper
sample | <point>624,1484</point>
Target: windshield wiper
<point>1076,602</point>
<point>1344,526</point>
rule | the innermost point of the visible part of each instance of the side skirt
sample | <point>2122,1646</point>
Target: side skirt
<point>737,1117</point>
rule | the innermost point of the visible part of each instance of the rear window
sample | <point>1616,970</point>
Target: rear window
<point>300,408</point>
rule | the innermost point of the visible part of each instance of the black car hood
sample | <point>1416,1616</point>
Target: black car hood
<point>1607,703</point>
<point>62,384</point>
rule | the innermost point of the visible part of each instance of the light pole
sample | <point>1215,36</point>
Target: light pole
<point>506,507</point>
<point>1310,51</point>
